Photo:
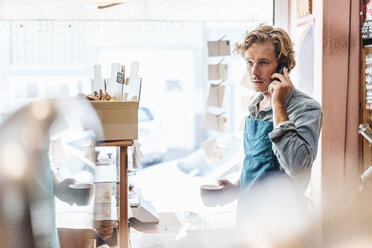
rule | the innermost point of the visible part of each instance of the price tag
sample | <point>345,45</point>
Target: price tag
<point>120,77</point>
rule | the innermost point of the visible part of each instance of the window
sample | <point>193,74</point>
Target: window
<point>56,58</point>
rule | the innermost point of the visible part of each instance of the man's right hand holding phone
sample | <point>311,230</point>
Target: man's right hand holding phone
<point>280,91</point>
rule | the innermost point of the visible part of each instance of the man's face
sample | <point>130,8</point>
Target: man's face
<point>261,64</point>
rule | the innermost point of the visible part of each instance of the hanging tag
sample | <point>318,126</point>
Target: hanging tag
<point>217,71</point>
<point>212,151</point>
<point>216,95</point>
<point>219,48</point>
<point>215,122</point>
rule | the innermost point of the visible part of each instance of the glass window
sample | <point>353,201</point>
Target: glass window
<point>56,59</point>
<point>144,115</point>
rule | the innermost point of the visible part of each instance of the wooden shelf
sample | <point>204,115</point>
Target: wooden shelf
<point>115,143</point>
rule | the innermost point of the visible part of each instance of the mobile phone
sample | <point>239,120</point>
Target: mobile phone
<point>279,69</point>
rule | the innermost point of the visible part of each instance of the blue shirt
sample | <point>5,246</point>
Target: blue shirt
<point>294,142</point>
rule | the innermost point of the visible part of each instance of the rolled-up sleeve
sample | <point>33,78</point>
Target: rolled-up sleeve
<point>295,142</point>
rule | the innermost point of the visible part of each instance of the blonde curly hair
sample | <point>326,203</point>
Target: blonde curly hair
<point>277,36</point>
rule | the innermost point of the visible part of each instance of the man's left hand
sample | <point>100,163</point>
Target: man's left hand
<point>61,190</point>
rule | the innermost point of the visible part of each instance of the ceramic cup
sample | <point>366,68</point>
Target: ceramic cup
<point>210,194</point>
<point>81,193</point>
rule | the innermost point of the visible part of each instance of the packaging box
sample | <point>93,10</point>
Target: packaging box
<point>105,203</point>
<point>119,119</point>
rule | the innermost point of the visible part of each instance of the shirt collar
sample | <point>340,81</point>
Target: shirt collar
<point>252,108</point>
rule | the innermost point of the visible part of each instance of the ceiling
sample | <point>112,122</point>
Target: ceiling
<point>164,10</point>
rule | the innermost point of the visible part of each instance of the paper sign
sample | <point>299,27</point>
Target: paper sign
<point>134,69</point>
<point>120,78</point>
<point>112,87</point>
<point>115,90</point>
<point>217,72</point>
<point>97,82</point>
<point>219,48</point>
<point>215,95</point>
<point>97,72</point>
<point>115,68</point>
<point>216,122</point>
<point>133,91</point>
<point>212,151</point>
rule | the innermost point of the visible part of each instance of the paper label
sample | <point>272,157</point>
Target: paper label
<point>216,95</point>
<point>217,71</point>
<point>212,151</point>
<point>219,48</point>
<point>216,122</point>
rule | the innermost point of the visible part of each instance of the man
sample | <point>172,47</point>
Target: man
<point>282,129</point>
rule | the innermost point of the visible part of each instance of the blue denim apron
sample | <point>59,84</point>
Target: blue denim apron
<point>260,161</point>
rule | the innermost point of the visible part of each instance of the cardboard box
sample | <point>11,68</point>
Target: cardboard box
<point>119,119</point>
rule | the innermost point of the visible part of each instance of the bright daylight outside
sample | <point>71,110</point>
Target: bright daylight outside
<point>192,102</point>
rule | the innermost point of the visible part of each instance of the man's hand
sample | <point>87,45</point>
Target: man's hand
<point>61,190</point>
<point>280,91</point>
<point>230,191</point>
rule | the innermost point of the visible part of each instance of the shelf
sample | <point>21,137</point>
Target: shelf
<point>115,143</point>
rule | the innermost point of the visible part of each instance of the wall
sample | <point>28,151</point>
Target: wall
<point>297,27</point>
<point>336,86</point>
<point>341,65</point>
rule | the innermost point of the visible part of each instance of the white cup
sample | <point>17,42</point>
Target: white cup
<point>81,193</point>
<point>210,194</point>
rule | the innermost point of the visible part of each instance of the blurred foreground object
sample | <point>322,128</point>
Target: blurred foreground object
<point>27,211</point>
